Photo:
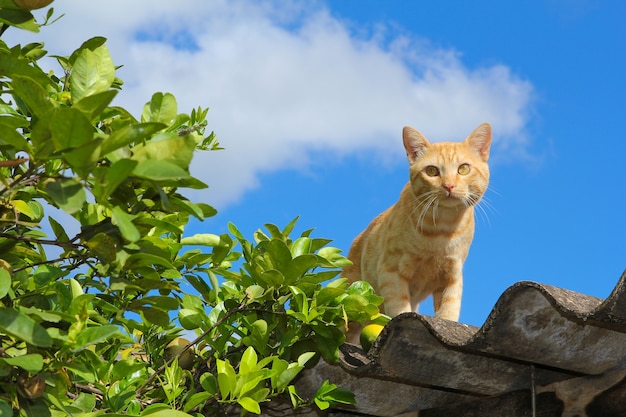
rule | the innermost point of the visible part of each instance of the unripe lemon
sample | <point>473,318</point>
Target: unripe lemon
<point>369,334</point>
<point>32,4</point>
<point>173,348</point>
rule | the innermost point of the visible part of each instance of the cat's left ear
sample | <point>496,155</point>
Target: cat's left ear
<point>414,142</point>
<point>480,140</point>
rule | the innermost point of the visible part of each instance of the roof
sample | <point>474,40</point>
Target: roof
<point>542,348</point>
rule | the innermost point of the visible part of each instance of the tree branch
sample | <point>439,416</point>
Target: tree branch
<point>20,238</point>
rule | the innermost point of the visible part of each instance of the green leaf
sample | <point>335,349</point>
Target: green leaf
<point>254,292</point>
<point>164,413</point>
<point>13,66</point>
<point>329,394</point>
<point>248,361</point>
<point>272,277</point>
<point>289,228</point>
<point>186,206</point>
<point>124,222</point>
<point>161,108</point>
<point>33,94</point>
<point>84,158</point>
<point>5,282</point>
<point>32,362</point>
<point>46,274</point>
<point>23,208</point>
<point>94,335</point>
<point>280,253</point>
<point>8,136</point>
<point>59,231</point>
<point>305,357</point>
<point>93,72</point>
<point>103,246</point>
<point>190,319</point>
<point>202,239</point>
<point>69,128</point>
<point>115,175</point>
<point>355,302</point>
<point>234,231</point>
<point>195,400</point>
<point>328,294</point>
<point>156,316</point>
<point>137,260</point>
<point>67,193</point>
<point>20,18</point>
<point>299,266</point>
<point>159,301</point>
<point>226,378</point>
<point>284,373</point>
<point>91,44</point>
<point>301,246</point>
<point>130,134</point>
<point>334,257</point>
<point>23,327</point>
<point>5,409</point>
<point>169,147</point>
<point>125,367</point>
<point>160,171</point>
<point>91,106</point>
<point>249,405</point>
<point>208,382</point>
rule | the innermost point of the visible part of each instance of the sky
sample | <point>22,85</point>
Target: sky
<point>308,99</point>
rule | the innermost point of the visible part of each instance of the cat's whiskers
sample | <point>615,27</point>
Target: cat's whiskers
<point>424,203</point>
<point>484,206</point>
<point>435,208</point>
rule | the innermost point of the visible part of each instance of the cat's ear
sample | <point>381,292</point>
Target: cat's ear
<point>414,142</point>
<point>480,140</point>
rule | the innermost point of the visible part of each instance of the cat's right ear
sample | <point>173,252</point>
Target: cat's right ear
<point>414,142</point>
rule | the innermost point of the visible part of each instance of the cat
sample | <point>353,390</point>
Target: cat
<point>417,247</point>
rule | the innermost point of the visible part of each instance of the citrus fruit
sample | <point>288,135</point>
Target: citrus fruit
<point>369,334</point>
<point>32,4</point>
<point>173,348</point>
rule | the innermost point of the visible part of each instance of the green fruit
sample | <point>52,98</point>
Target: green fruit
<point>173,348</point>
<point>369,334</point>
<point>32,4</point>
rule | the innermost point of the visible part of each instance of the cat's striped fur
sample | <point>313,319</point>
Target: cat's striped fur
<point>418,246</point>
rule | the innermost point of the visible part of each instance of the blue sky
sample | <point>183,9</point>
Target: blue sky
<point>309,100</point>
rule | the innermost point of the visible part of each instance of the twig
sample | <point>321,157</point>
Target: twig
<point>51,261</point>
<point>27,239</point>
<point>30,171</point>
<point>89,389</point>
<point>13,162</point>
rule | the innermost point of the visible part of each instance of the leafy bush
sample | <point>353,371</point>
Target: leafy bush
<point>96,321</point>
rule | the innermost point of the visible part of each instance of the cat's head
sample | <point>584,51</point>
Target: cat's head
<point>448,174</point>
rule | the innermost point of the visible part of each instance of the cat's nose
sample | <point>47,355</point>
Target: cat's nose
<point>448,187</point>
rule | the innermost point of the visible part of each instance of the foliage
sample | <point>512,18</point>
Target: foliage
<point>92,311</point>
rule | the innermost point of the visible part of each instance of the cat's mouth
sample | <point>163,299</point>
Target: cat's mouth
<point>450,199</point>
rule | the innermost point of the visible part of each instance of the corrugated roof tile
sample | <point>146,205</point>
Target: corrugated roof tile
<point>537,337</point>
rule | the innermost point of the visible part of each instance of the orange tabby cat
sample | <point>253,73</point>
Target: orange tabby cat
<point>417,247</point>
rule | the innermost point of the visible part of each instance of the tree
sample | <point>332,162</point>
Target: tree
<point>95,322</point>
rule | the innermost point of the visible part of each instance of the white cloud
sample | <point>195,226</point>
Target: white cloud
<point>282,79</point>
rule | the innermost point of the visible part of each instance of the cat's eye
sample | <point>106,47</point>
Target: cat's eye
<point>431,171</point>
<point>464,169</point>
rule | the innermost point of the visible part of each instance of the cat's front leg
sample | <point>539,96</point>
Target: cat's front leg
<point>395,291</point>
<point>447,298</point>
